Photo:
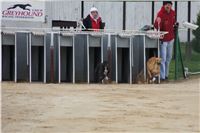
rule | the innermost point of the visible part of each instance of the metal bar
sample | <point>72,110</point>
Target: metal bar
<point>1,45</point>
<point>109,40</point>
<point>102,49</point>
<point>15,57</point>
<point>45,59</point>
<point>176,55</point>
<point>159,57</point>
<point>82,9</point>
<point>116,61</point>
<point>103,31</point>
<point>124,15</point>
<point>27,49</point>
<point>73,48</point>
<point>129,0</point>
<point>30,61</point>
<point>27,55</point>
<point>52,57</point>
<point>144,44</point>
<point>193,73</point>
<point>88,60</point>
<point>132,55</point>
<point>130,63</point>
<point>181,59</point>
<point>59,61</point>
<point>109,56</point>
<point>176,8</point>
<point>189,20</point>
<point>176,12</point>
<point>152,12</point>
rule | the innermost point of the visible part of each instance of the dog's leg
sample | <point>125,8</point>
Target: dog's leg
<point>10,8</point>
<point>13,7</point>
<point>27,9</point>
<point>153,80</point>
<point>149,76</point>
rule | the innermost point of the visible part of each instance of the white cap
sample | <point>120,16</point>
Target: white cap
<point>93,9</point>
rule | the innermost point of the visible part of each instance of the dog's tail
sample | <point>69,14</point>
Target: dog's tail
<point>9,8</point>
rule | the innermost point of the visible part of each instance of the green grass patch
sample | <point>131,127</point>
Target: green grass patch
<point>193,64</point>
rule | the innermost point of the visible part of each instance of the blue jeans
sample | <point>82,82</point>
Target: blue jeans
<point>166,49</point>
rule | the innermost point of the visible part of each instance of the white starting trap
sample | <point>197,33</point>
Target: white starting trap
<point>72,56</point>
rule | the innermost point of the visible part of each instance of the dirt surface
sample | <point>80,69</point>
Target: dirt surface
<point>61,108</point>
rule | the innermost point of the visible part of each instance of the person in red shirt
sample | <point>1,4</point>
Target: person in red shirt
<point>165,21</point>
<point>93,20</point>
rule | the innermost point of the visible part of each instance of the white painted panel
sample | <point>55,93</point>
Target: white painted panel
<point>138,14</point>
<point>182,15</point>
<point>111,13</point>
<point>66,10</point>
<point>23,11</point>
<point>158,6</point>
<point>195,9</point>
<point>55,10</point>
<point>8,23</point>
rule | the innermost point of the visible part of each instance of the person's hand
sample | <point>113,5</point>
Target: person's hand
<point>176,25</point>
<point>161,37</point>
<point>158,19</point>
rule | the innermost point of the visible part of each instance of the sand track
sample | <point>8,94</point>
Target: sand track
<point>54,108</point>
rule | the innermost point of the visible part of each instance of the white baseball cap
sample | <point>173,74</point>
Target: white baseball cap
<point>93,9</point>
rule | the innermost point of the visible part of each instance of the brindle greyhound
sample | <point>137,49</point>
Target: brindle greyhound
<point>101,72</point>
<point>22,6</point>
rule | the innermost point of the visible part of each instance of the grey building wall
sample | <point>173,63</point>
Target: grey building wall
<point>111,13</point>
<point>138,14</point>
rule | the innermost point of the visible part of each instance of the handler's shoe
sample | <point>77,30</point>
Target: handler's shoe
<point>162,81</point>
<point>166,79</point>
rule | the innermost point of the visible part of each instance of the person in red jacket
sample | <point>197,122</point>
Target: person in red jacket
<point>165,21</point>
<point>93,20</point>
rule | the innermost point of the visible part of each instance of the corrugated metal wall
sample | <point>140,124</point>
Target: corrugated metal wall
<point>138,14</point>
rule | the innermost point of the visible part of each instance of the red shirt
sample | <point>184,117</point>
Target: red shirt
<point>95,24</point>
<point>167,23</point>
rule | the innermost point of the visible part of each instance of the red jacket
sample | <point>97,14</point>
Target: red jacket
<point>167,23</point>
<point>96,24</point>
<point>89,23</point>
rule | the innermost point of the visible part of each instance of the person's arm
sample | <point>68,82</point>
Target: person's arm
<point>158,22</point>
<point>87,23</point>
<point>175,23</point>
<point>101,25</point>
<point>174,19</point>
